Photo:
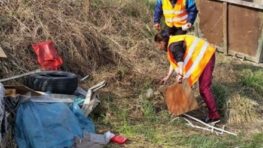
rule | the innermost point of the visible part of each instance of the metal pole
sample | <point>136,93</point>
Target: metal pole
<point>19,76</point>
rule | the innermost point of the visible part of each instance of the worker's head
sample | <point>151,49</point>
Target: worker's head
<point>161,40</point>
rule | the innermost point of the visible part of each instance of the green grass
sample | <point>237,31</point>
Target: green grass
<point>256,142</point>
<point>205,142</point>
<point>154,129</point>
<point>174,134</point>
<point>221,93</point>
<point>158,129</point>
<point>253,79</point>
<point>148,110</point>
<point>137,118</point>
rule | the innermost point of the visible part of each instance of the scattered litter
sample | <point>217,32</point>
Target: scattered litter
<point>98,86</point>
<point>92,101</point>
<point>49,119</point>
<point>105,138</point>
<point>51,100</point>
<point>207,127</point>
<point>50,125</point>
<point>99,138</point>
<point>61,82</point>
<point>15,91</point>
<point>176,118</point>
<point>84,78</point>
<point>119,139</point>
<point>149,93</point>
<point>80,92</point>
<point>91,105</point>
<point>19,76</point>
<point>94,140</point>
<point>47,55</point>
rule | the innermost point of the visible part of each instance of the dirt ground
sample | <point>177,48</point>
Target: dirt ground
<point>113,41</point>
<point>125,108</point>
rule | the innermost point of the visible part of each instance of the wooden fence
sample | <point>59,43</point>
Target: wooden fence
<point>234,26</point>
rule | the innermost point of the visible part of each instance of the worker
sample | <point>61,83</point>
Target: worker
<point>179,15</point>
<point>193,59</point>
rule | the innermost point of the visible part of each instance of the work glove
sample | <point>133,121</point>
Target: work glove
<point>186,26</point>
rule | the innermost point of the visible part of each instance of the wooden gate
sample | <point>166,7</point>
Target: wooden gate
<point>234,26</point>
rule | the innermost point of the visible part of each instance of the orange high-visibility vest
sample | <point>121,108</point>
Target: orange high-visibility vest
<point>175,16</point>
<point>197,55</point>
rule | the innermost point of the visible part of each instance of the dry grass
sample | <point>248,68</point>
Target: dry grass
<point>112,41</point>
<point>67,23</point>
<point>87,35</point>
<point>242,110</point>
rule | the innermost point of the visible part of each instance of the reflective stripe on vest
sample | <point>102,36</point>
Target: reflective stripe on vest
<point>176,19</point>
<point>175,16</point>
<point>197,55</point>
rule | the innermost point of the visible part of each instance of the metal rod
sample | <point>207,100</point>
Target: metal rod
<point>84,78</point>
<point>219,129</point>
<point>19,76</point>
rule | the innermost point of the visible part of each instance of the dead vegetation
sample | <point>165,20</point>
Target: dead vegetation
<point>239,93</point>
<point>242,110</point>
<point>87,35</point>
<point>64,22</point>
<point>112,40</point>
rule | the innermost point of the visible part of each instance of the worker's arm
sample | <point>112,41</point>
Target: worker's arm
<point>178,51</point>
<point>170,72</point>
<point>158,13</point>
<point>179,76</point>
<point>192,11</point>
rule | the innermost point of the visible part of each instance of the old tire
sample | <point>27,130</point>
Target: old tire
<point>53,82</point>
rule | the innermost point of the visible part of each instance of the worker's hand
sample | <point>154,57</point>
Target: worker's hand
<point>179,78</point>
<point>186,26</point>
<point>164,80</point>
<point>157,26</point>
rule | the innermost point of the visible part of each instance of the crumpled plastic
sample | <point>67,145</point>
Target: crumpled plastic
<point>48,125</point>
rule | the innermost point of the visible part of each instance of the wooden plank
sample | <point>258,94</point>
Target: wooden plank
<point>21,90</point>
<point>243,3</point>
<point>225,27</point>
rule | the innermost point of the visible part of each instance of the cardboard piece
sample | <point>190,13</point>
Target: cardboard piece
<point>14,91</point>
<point>10,92</point>
<point>180,99</point>
<point>2,53</point>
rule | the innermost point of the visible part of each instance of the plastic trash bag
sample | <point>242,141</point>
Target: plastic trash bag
<point>49,125</point>
<point>47,55</point>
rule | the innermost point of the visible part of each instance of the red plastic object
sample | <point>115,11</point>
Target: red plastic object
<point>119,139</point>
<point>47,55</point>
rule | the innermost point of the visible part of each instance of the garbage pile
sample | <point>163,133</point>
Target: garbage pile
<point>50,109</point>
